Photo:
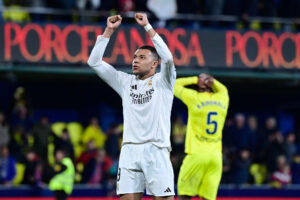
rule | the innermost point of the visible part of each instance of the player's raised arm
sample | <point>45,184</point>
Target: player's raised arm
<point>167,65</point>
<point>95,58</point>
<point>218,87</point>
<point>104,70</point>
<point>183,93</point>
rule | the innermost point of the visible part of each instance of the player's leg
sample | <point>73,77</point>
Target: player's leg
<point>212,178</point>
<point>190,176</point>
<point>158,171</point>
<point>130,178</point>
<point>133,196</point>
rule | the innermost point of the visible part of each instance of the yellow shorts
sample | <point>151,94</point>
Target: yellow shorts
<point>200,174</point>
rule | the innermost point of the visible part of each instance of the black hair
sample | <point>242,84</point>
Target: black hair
<point>152,49</point>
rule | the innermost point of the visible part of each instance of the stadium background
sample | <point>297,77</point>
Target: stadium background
<point>251,46</point>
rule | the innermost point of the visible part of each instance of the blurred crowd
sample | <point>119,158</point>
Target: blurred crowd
<point>27,149</point>
<point>164,12</point>
<point>252,154</point>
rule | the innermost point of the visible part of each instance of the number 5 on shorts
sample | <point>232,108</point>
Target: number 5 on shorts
<point>212,122</point>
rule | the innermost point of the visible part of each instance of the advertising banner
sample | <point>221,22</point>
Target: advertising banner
<point>53,44</point>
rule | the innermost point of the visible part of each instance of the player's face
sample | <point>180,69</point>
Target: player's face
<point>143,62</point>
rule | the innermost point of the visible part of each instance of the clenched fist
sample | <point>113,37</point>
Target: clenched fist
<point>114,22</point>
<point>141,19</point>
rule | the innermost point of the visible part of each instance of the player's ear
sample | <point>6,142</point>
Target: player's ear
<point>155,64</point>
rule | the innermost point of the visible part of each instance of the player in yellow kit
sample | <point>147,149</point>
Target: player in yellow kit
<point>201,170</point>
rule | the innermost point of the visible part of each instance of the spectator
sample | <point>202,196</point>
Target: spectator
<point>282,176</point>
<point>242,137</point>
<point>241,168</point>
<point>296,169</point>
<point>41,132</point>
<point>38,175</point>
<point>7,166</point>
<point>227,134</point>
<point>270,126</point>
<point>20,99</point>
<point>64,142</point>
<point>290,146</point>
<point>274,147</point>
<point>112,144</point>
<point>259,138</point>
<point>4,130</point>
<point>227,167</point>
<point>94,132</point>
<point>96,169</point>
<point>19,144</point>
<point>31,163</point>
<point>90,153</point>
<point>178,135</point>
<point>21,117</point>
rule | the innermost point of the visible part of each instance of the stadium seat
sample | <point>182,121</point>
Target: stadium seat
<point>75,131</point>
<point>20,169</point>
<point>258,172</point>
<point>78,149</point>
<point>51,157</point>
<point>57,127</point>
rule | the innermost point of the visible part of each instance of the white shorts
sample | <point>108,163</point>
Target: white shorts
<point>145,166</point>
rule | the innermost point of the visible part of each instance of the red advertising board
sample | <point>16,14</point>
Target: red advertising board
<point>71,44</point>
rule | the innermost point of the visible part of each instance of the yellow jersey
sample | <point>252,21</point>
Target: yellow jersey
<point>206,115</point>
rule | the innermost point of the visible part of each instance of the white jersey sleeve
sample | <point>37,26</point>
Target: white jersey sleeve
<point>104,70</point>
<point>167,68</point>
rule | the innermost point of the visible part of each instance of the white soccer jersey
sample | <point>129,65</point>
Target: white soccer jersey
<point>146,103</point>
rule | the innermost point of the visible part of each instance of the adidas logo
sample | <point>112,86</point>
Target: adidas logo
<point>168,190</point>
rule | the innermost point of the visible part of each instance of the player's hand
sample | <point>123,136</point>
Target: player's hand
<point>209,81</point>
<point>114,22</point>
<point>141,19</point>
<point>201,80</point>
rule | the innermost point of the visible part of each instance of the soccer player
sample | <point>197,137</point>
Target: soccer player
<point>147,100</point>
<point>201,170</point>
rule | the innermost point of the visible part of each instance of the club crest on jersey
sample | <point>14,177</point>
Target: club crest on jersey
<point>149,84</point>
